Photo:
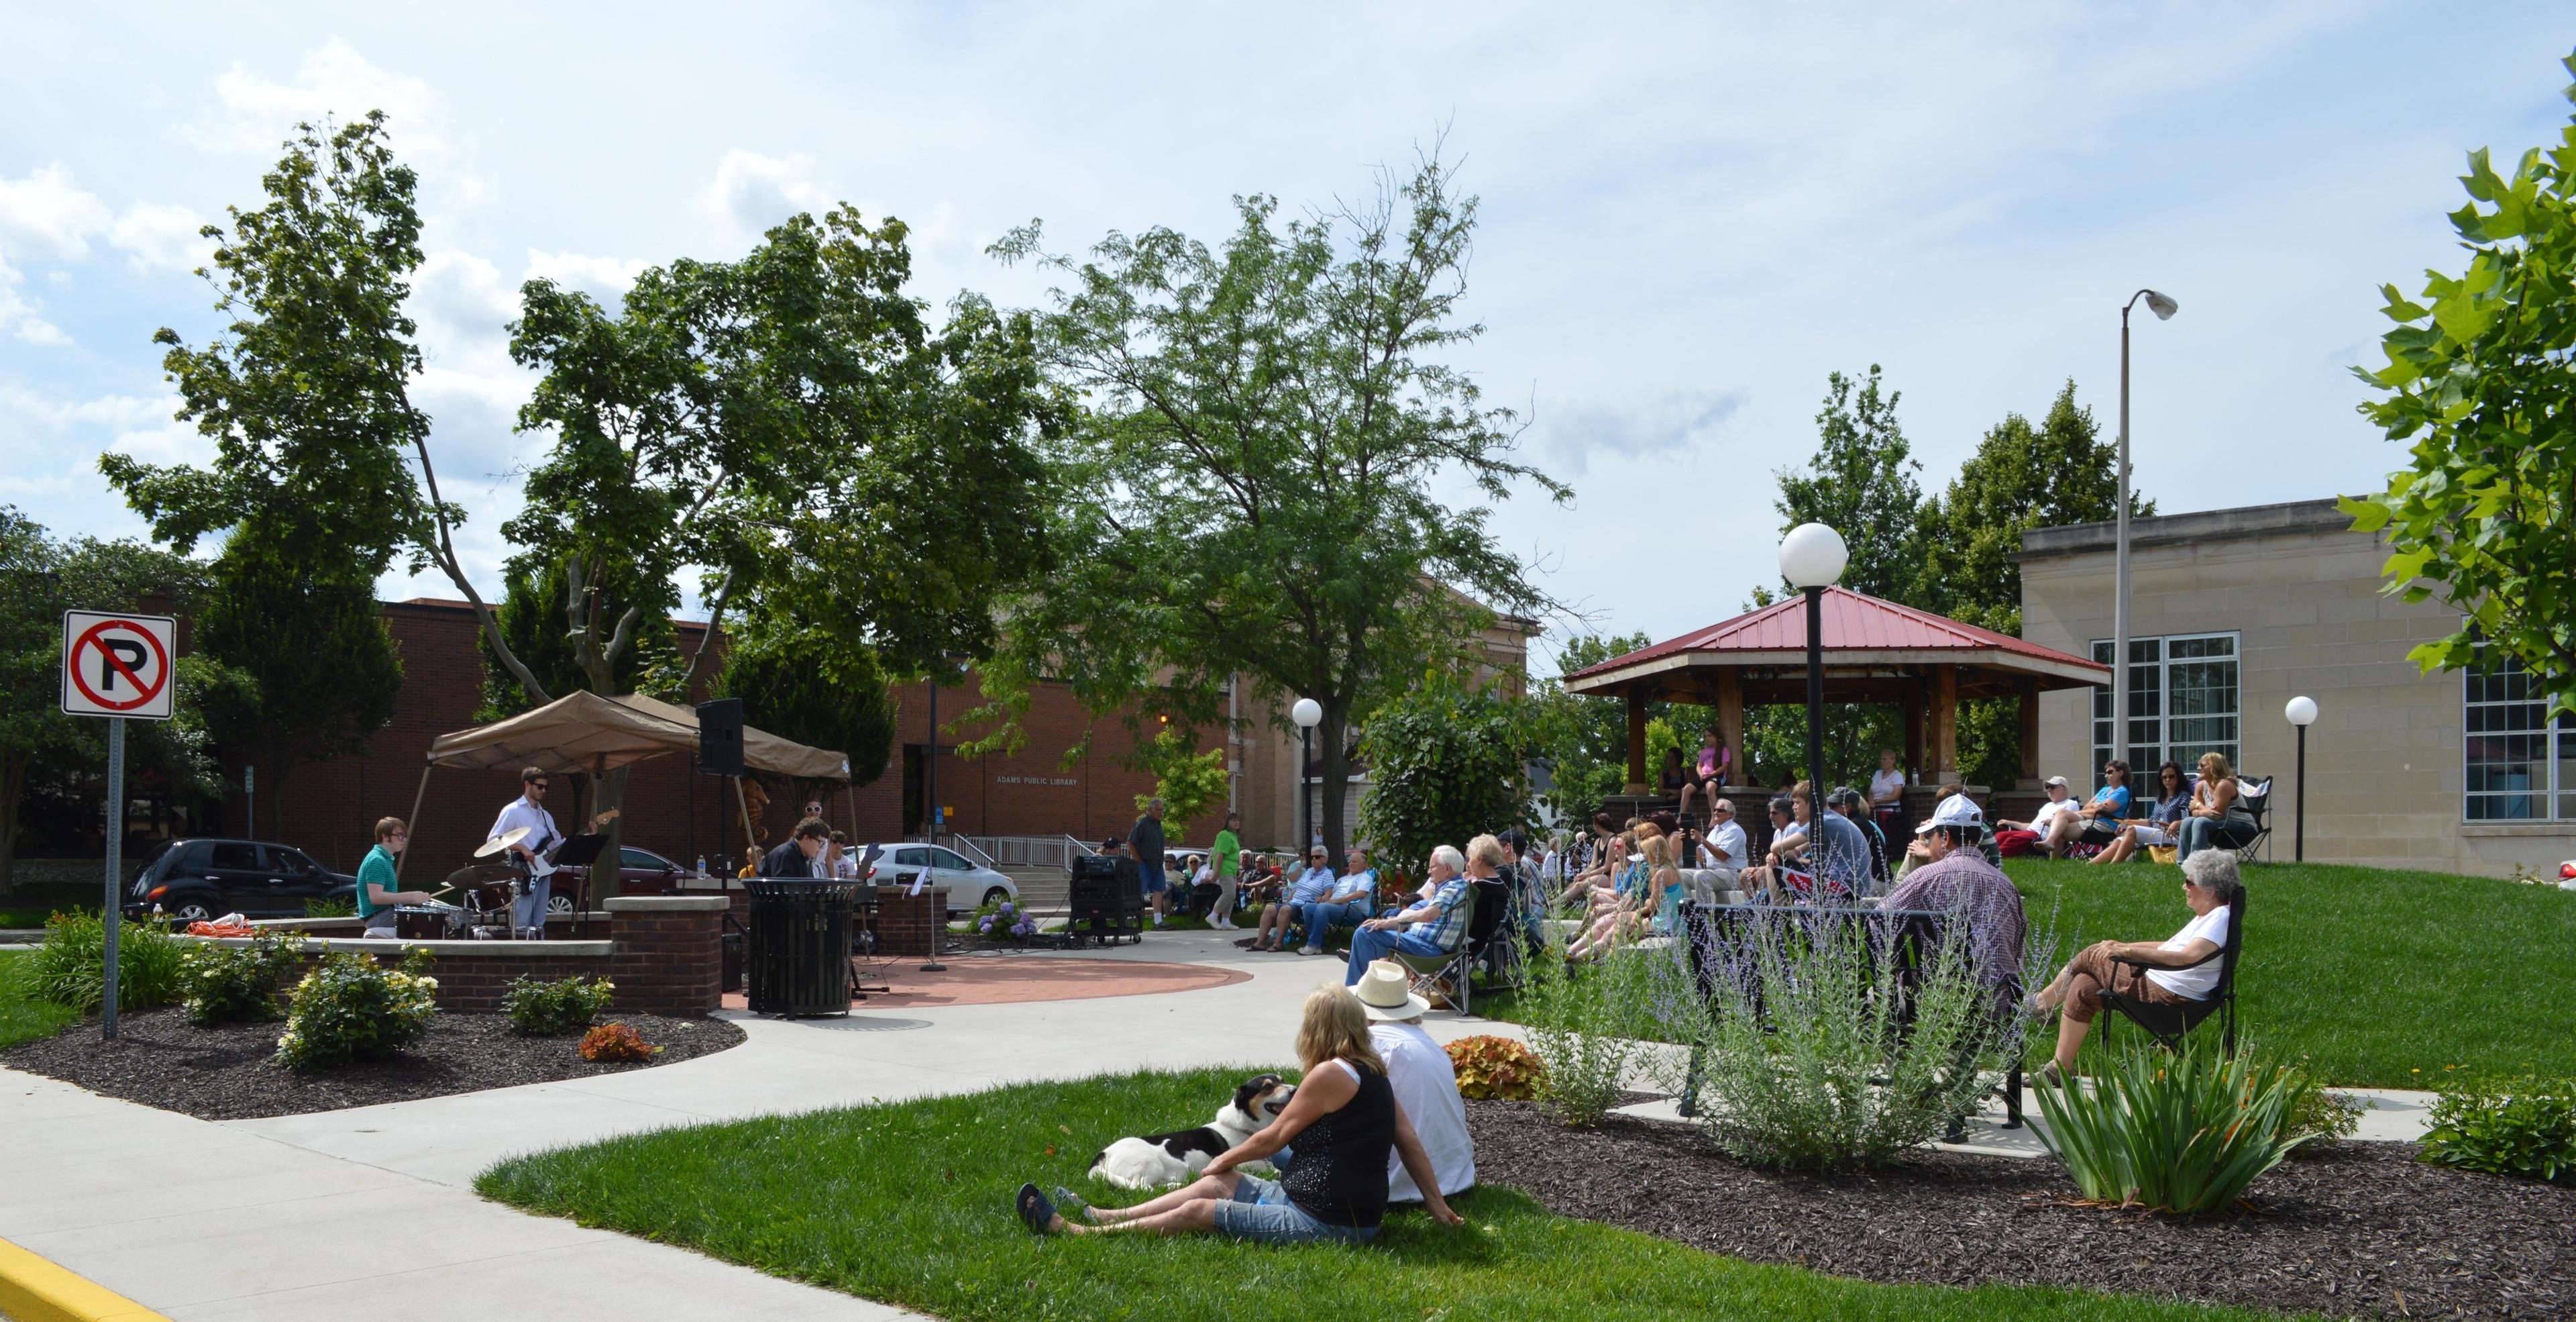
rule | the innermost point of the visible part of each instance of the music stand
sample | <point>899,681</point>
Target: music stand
<point>580,851</point>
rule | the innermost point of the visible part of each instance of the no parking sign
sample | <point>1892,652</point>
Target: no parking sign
<point>118,665</point>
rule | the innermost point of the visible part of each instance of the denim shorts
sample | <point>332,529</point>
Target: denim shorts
<point>1262,1213</point>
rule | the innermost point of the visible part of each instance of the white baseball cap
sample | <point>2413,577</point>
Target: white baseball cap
<point>2058,781</point>
<point>1957,810</point>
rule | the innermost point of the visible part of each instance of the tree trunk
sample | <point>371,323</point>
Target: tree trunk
<point>13,784</point>
<point>1335,779</point>
<point>605,880</point>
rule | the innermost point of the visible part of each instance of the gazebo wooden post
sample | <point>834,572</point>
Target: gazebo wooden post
<point>1944,721</point>
<point>1636,740</point>
<point>1913,715</point>
<point>1730,719</point>
<point>2029,735</point>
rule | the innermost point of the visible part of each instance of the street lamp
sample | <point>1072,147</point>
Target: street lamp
<point>1308,714</point>
<point>2302,713</point>
<point>1812,556</point>
<point>2164,309</point>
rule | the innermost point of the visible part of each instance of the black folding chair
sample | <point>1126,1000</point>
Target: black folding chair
<point>2169,1023</point>
<point>1452,967</point>
<point>2256,795</point>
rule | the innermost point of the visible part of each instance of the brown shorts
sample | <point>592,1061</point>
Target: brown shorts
<point>2092,971</point>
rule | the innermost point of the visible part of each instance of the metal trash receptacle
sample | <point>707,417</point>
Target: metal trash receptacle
<point>797,955</point>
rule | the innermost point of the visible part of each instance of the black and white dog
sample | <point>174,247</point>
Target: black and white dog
<point>1162,1161</point>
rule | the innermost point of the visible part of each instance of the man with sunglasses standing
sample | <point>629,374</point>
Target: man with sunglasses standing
<point>542,839</point>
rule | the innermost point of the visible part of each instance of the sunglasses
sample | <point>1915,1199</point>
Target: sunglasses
<point>539,784</point>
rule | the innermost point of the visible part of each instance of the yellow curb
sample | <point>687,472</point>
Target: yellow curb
<point>34,1290</point>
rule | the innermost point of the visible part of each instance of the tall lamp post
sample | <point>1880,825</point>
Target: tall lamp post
<point>2164,309</point>
<point>2302,713</point>
<point>1308,713</point>
<point>1812,556</point>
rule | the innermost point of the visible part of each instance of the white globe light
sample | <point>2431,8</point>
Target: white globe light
<point>1308,713</point>
<point>1813,556</point>
<point>2301,711</point>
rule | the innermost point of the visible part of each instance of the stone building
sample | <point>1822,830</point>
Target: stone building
<point>2234,612</point>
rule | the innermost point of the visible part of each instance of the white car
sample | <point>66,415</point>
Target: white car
<point>970,884</point>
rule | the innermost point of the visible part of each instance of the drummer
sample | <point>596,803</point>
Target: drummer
<point>376,894</point>
<point>529,810</point>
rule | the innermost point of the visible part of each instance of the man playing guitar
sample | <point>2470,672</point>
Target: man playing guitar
<point>537,848</point>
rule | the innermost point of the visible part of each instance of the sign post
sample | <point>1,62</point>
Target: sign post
<point>117,667</point>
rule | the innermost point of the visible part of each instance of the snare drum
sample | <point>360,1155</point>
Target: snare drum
<point>491,897</point>
<point>427,922</point>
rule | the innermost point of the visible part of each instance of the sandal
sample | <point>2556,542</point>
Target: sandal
<point>1066,1200</point>
<point>1035,1211</point>
<point>2050,1076</point>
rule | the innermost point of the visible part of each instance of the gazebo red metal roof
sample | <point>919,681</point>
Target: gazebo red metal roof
<point>1859,631</point>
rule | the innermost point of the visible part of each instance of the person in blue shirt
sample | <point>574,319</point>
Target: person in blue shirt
<point>1433,926</point>
<point>2097,823</point>
<point>1350,901</point>
<point>1311,886</point>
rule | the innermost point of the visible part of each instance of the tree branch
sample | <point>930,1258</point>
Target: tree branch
<point>443,551</point>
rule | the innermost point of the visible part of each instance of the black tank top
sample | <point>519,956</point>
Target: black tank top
<point>1340,1172</point>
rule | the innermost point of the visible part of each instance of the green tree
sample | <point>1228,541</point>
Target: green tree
<point>2021,477</point>
<point>309,637</point>
<point>1584,739</point>
<point>1861,483</point>
<point>1253,490</point>
<point>2477,382</point>
<point>1447,761</point>
<point>40,578</point>
<point>531,618</point>
<point>1187,780</point>
<point>805,682</point>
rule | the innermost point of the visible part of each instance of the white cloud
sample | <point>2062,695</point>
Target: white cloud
<point>334,80</point>
<point>106,410</point>
<point>18,313</point>
<point>756,191</point>
<point>154,234</point>
<point>607,275</point>
<point>1649,427</point>
<point>47,212</point>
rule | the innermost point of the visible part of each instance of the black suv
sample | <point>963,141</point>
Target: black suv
<point>197,879</point>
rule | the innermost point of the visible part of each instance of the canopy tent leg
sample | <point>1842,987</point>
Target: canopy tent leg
<point>412,823</point>
<point>750,837</point>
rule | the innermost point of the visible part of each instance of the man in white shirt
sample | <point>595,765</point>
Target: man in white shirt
<point>1721,857</point>
<point>2060,800</point>
<point>1425,1082</point>
<point>540,844</point>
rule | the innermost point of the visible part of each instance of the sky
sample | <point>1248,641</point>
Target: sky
<point>1690,215</point>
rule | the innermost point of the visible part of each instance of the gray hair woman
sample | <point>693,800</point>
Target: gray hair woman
<point>2183,968</point>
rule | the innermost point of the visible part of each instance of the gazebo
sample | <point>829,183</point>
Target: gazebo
<point>1874,652</point>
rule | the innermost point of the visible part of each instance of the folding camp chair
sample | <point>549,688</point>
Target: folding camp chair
<point>1454,965</point>
<point>2168,1023</point>
<point>2256,795</point>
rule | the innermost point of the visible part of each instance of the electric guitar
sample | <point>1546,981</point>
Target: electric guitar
<point>541,867</point>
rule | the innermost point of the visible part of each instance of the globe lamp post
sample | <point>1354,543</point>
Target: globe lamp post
<point>2302,712</point>
<point>1308,714</point>
<point>1812,556</point>
<point>2164,308</point>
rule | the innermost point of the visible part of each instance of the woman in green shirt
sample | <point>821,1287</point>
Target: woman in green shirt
<point>1228,852</point>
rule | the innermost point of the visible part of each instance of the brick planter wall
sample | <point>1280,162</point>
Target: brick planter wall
<point>471,975</point>
<point>668,952</point>
<point>904,922</point>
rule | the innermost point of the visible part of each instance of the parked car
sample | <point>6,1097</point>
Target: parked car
<point>970,884</point>
<point>639,872</point>
<point>192,880</point>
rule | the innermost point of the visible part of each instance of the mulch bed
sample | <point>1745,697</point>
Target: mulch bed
<point>2358,1229</point>
<point>225,1072</point>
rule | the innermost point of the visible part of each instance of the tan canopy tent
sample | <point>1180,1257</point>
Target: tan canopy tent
<point>584,732</point>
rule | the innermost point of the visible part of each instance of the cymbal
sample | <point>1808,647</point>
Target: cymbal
<point>479,874</point>
<point>501,842</point>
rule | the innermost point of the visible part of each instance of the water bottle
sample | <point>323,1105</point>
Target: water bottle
<point>702,865</point>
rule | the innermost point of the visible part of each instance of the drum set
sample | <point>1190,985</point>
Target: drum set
<point>487,893</point>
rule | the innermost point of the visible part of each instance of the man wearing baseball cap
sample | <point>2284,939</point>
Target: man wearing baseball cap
<point>1957,880</point>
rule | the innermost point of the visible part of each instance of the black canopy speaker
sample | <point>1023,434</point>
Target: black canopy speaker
<point>720,737</point>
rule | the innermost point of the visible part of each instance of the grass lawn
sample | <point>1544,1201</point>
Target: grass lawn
<point>910,1204</point>
<point>23,1017</point>
<point>2381,978</point>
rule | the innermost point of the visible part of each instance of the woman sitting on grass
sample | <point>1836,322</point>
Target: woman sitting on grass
<point>1345,1121</point>
<point>2186,967</point>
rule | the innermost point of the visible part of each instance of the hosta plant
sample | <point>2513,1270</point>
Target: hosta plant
<point>1494,1068</point>
<point>233,984</point>
<point>352,1008</point>
<point>2174,1131</point>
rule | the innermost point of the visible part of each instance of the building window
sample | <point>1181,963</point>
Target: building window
<point>2520,765</point>
<point>2182,701</point>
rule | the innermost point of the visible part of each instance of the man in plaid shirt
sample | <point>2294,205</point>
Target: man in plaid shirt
<point>1434,926</point>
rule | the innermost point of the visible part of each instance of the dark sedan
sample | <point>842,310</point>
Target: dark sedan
<point>191,880</point>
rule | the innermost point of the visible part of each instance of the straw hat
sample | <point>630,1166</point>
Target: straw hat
<point>1386,992</point>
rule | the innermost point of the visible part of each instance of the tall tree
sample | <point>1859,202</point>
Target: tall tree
<point>2021,477</point>
<point>1861,483</point>
<point>310,637</point>
<point>2483,514</point>
<point>1584,739</point>
<point>531,618</point>
<point>1252,492</point>
<point>805,681</point>
<point>40,578</point>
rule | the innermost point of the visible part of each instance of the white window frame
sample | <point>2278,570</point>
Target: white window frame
<point>2555,790</point>
<point>2142,768</point>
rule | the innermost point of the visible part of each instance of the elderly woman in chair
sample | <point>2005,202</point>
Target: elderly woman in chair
<point>2183,968</point>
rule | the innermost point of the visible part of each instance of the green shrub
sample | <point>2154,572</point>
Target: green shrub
<point>1495,1068</point>
<point>2174,1131</point>
<point>2324,1118</point>
<point>317,907</point>
<point>1584,1022</point>
<point>1816,1055</point>
<point>233,984</point>
<point>549,1009</point>
<point>71,967</point>
<point>2528,1130</point>
<point>351,1008</point>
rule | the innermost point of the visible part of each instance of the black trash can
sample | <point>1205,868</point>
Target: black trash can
<point>797,959</point>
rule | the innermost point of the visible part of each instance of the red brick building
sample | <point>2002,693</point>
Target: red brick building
<point>329,808</point>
